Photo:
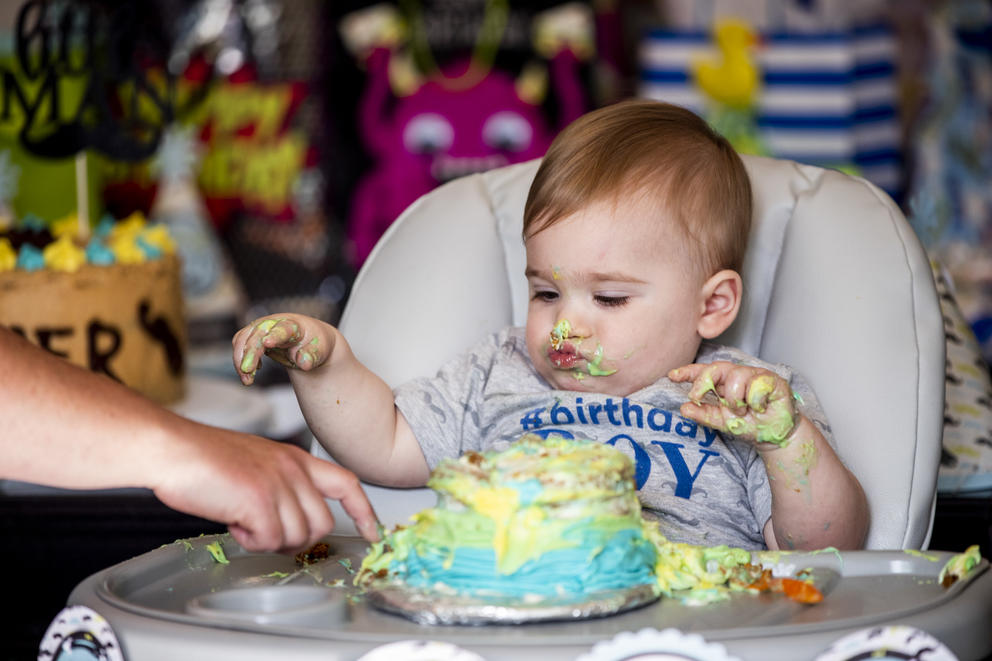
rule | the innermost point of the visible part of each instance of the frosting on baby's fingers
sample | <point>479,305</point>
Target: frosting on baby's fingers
<point>279,332</point>
<point>308,356</point>
<point>704,383</point>
<point>760,391</point>
<point>709,415</point>
<point>685,373</point>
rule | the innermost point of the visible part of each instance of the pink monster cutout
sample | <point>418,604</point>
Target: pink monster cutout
<point>445,130</point>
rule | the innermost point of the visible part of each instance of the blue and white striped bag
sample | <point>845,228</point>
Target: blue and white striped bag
<point>827,98</point>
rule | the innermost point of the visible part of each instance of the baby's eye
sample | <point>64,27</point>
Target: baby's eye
<point>545,295</point>
<point>612,301</point>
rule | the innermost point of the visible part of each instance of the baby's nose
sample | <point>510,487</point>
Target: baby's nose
<point>567,329</point>
<point>561,331</point>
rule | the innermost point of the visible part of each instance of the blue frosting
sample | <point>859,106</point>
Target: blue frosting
<point>31,221</point>
<point>625,560</point>
<point>30,258</point>
<point>98,253</point>
<point>527,490</point>
<point>151,252</point>
<point>104,227</point>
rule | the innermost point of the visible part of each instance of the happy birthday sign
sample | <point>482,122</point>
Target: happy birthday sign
<point>253,154</point>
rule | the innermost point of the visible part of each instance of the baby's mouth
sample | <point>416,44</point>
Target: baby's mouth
<point>568,357</point>
<point>564,357</point>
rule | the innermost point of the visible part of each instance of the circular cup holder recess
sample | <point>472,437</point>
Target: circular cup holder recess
<point>299,605</point>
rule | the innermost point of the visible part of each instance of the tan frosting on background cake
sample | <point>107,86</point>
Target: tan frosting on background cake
<point>124,320</point>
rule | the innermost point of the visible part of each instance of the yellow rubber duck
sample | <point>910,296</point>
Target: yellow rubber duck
<point>732,77</point>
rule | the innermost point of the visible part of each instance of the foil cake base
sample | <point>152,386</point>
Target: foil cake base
<point>434,607</point>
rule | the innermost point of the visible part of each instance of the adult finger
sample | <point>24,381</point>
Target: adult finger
<point>341,484</point>
<point>261,528</point>
<point>295,524</point>
<point>320,520</point>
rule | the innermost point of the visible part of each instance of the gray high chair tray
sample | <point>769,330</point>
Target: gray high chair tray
<point>181,601</point>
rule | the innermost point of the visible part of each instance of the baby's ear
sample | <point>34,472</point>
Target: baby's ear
<point>721,300</point>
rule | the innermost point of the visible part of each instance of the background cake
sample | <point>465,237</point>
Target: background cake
<point>112,303</point>
<point>542,518</point>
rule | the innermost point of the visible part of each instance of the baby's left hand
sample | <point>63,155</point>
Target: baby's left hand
<point>753,403</point>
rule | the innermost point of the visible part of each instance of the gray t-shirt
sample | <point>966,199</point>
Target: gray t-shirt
<point>703,487</point>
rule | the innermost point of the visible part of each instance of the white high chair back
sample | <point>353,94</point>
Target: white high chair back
<point>836,285</point>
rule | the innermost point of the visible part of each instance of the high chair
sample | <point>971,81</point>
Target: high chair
<point>836,285</point>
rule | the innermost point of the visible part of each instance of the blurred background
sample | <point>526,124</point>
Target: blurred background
<point>289,134</point>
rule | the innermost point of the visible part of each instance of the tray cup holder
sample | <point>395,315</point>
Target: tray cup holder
<point>293,605</point>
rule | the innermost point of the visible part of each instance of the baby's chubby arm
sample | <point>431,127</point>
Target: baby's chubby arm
<point>349,409</point>
<point>816,500</point>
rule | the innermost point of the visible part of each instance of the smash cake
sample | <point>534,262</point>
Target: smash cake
<point>552,519</point>
<point>541,518</point>
<point>111,303</point>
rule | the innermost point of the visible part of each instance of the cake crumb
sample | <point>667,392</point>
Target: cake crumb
<point>318,551</point>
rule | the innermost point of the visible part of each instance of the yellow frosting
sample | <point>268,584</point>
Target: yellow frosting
<point>64,255</point>
<point>8,256</point>
<point>130,226</point>
<point>65,226</point>
<point>125,250</point>
<point>499,504</point>
<point>124,238</point>
<point>159,237</point>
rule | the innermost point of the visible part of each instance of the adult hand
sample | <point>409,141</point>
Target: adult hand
<point>271,495</point>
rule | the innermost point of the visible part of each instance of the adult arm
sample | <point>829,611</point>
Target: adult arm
<point>67,427</point>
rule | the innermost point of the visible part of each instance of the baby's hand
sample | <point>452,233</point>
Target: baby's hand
<point>753,403</point>
<point>292,340</point>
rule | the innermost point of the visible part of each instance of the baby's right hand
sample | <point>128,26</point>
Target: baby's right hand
<point>294,340</point>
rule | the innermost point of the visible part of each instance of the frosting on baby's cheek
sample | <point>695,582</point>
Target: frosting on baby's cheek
<point>594,366</point>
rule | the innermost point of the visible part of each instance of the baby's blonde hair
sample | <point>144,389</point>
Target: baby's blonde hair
<point>659,150</point>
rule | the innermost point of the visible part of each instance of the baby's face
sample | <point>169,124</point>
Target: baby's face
<point>614,301</point>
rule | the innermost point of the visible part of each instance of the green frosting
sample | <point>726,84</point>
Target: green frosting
<point>217,553</point>
<point>776,422</point>
<point>959,565</point>
<point>593,366</point>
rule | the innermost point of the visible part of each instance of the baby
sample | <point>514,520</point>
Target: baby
<point>635,228</point>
